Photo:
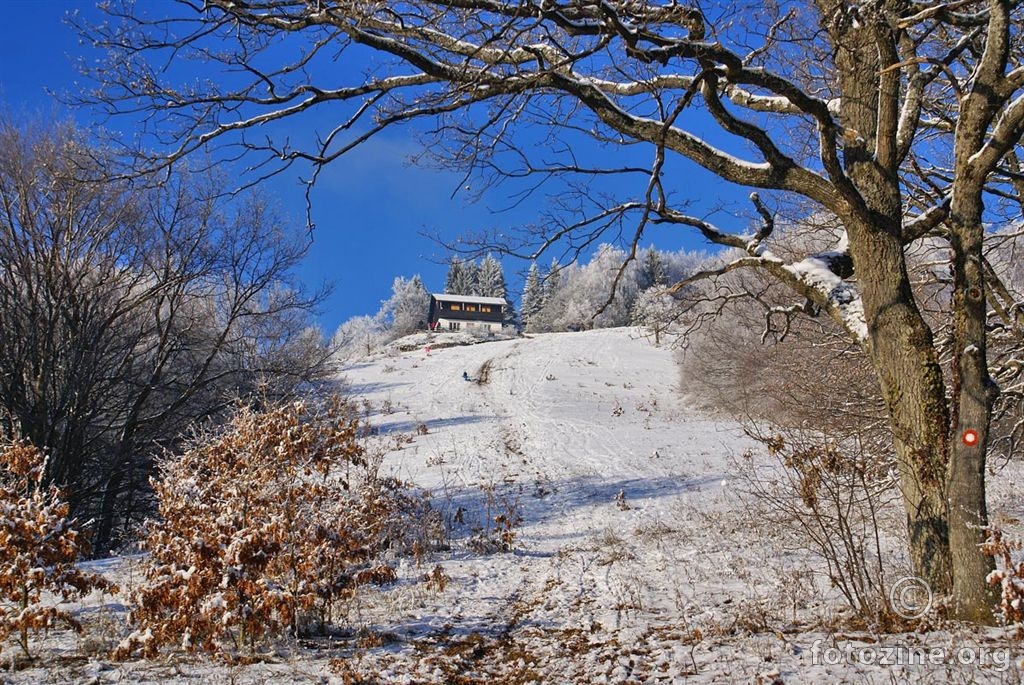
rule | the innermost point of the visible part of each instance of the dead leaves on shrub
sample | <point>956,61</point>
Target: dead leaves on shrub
<point>39,546</point>
<point>263,526</point>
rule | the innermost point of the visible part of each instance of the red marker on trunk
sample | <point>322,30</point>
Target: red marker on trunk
<point>970,437</point>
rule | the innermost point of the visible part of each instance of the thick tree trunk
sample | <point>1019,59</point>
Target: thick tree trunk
<point>972,598</point>
<point>974,394</point>
<point>935,478</point>
<point>973,391</point>
<point>902,352</point>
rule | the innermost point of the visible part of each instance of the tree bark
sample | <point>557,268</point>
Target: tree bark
<point>900,343</point>
<point>901,349</point>
<point>112,489</point>
<point>974,395</point>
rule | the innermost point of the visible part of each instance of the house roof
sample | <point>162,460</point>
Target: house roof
<point>475,299</point>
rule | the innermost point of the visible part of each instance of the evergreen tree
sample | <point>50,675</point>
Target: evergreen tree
<point>456,281</point>
<point>553,280</point>
<point>491,278</point>
<point>511,315</point>
<point>491,283</point>
<point>533,295</point>
<point>472,282</point>
<point>652,270</point>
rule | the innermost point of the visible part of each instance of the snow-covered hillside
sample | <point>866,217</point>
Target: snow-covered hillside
<point>567,421</point>
<point>583,437</point>
<point>594,535</point>
<point>635,560</point>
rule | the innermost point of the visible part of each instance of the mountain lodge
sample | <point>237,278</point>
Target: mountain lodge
<point>466,312</point>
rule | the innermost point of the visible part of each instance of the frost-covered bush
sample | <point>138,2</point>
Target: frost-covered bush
<point>402,314</point>
<point>359,337</point>
<point>263,527</point>
<point>1008,576</point>
<point>579,295</point>
<point>405,312</point>
<point>39,546</point>
<point>582,291</point>
<point>655,311</point>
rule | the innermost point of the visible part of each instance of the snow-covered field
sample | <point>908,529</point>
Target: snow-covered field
<point>632,558</point>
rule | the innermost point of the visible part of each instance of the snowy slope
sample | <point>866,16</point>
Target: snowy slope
<point>631,532</point>
<point>586,435</point>
<point>580,415</point>
<point>565,423</point>
<point>632,558</point>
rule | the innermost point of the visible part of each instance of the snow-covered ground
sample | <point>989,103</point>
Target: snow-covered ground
<point>632,558</point>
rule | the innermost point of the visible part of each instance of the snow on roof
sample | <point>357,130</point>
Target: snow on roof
<point>445,297</point>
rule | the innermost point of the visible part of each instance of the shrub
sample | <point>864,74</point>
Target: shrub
<point>39,545</point>
<point>1009,575</point>
<point>831,498</point>
<point>502,517</point>
<point>263,527</point>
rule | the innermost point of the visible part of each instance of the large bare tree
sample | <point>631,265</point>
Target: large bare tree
<point>128,312</point>
<point>897,117</point>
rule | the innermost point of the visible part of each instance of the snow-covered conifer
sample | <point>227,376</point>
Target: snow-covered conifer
<point>491,283</point>
<point>472,278</point>
<point>406,310</point>
<point>652,270</point>
<point>552,280</point>
<point>491,278</point>
<point>459,280</point>
<point>533,295</point>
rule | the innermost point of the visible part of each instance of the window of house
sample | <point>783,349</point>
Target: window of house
<point>485,309</point>
<point>455,307</point>
<point>453,325</point>
<point>470,307</point>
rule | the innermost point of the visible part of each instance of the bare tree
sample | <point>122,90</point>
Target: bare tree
<point>129,313</point>
<point>897,117</point>
<point>1006,330</point>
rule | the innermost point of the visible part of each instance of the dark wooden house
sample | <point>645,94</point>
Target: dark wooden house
<point>466,312</point>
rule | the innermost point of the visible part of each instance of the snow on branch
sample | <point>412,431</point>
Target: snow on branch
<point>770,104</point>
<point>922,224</point>
<point>840,298</point>
<point>819,278</point>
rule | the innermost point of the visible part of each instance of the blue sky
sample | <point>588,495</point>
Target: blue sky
<point>370,208</point>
